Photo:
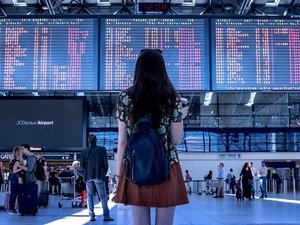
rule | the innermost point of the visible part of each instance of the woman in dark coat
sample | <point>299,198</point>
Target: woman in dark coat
<point>247,180</point>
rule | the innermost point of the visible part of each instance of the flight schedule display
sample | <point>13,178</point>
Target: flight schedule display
<point>256,54</point>
<point>48,54</point>
<point>184,43</point>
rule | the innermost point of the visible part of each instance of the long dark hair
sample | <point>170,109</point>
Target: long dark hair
<point>152,92</point>
<point>246,165</point>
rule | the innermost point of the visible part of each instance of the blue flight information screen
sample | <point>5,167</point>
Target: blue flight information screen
<point>183,41</point>
<point>256,54</point>
<point>48,54</point>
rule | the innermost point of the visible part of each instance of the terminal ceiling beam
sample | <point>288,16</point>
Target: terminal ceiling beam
<point>212,5</point>
<point>57,6</point>
<point>2,10</point>
<point>77,7</point>
<point>50,7</point>
<point>293,8</point>
<point>126,7</point>
<point>235,5</point>
<point>227,7</point>
<point>109,7</point>
<point>246,5</point>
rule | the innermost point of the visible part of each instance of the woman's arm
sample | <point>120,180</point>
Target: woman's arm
<point>176,129</point>
<point>122,144</point>
<point>17,167</point>
<point>241,175</point>
<point>176,132</point>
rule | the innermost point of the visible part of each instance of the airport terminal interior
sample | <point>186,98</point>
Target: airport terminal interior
<point>63,64</point>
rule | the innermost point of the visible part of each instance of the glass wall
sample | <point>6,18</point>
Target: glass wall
<point>228,121</point>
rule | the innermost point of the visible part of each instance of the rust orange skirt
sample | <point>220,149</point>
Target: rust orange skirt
<point>170,193</point>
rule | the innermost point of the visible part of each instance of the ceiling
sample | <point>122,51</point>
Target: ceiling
<point>182,7</point>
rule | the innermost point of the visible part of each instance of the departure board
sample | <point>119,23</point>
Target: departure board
<point>183,41</point>
<point>256,54</point>
<point>48,54</point>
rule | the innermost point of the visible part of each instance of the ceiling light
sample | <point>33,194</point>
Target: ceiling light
<point>207,99</point>
<point>251,99</point>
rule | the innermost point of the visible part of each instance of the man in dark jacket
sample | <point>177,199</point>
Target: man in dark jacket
<point>30,177</point>
<point>95,165</point>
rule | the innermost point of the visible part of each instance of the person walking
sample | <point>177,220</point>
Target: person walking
<point>256,183</point>
<point>231,181</point>
<point>152,95</point>
<point>95,165</point>
<point>263,171</point>
<point>247,180</point>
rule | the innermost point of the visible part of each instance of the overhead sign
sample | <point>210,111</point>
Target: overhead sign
<point>229,156</point>
<point>6,156</point>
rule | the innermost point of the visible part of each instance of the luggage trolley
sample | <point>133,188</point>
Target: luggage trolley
<point>68,191</point>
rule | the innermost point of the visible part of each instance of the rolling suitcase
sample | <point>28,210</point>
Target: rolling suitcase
<point>43,198</point>
<point>28,199</point>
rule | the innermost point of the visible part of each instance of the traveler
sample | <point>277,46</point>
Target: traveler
<point>30,168</point>
<point>152,96</point>
<point>256,182</point>
<point>94,165</point>
<point>28,199</point>
<point>220,185</point>
<point>263,171</point>
<point>247,180</point>
<point>231,181</point>
<point>17,177</point>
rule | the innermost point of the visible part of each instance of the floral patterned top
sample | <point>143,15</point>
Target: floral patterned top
<point>123,113</point>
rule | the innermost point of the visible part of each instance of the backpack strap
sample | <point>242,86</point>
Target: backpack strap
<point>144,120</point>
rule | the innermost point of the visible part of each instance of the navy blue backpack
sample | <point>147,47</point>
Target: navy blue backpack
<point>147,160</point>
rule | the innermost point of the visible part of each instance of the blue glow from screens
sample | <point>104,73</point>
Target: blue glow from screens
<point>255,54</point>
<point>48,54</point>
<point>184,42</point>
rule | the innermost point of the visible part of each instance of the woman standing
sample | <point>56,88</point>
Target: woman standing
<point>16,167</point>
<point>152,95</point>
<point>247,180</point>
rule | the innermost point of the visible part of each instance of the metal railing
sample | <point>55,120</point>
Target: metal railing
<point>284,186</point>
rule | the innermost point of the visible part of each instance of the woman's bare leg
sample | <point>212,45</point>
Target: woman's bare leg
<point>140,215</point>
<point>164,216</point>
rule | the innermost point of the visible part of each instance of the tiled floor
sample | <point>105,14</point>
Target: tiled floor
<point>202,210</point>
